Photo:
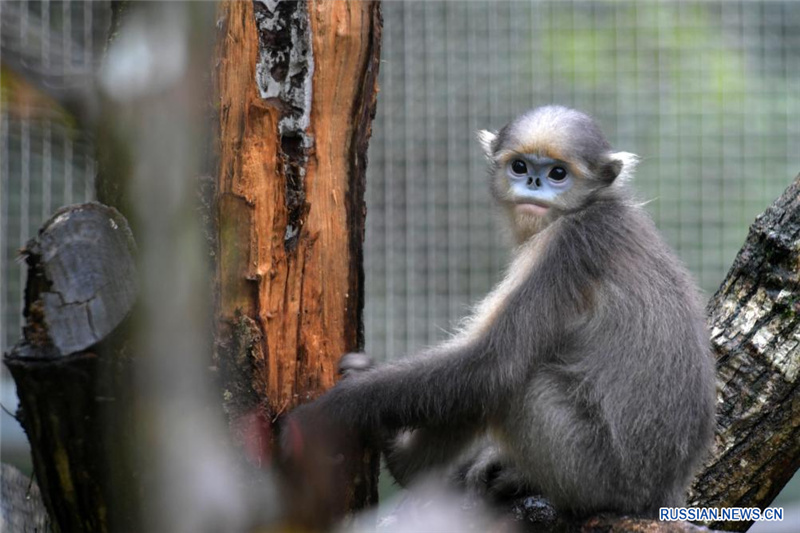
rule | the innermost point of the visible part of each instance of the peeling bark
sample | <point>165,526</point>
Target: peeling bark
<point>284,74</point>
<point>296,83</point>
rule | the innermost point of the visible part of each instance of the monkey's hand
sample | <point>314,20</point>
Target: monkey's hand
<point>302,431</point>
<point>403,459</point>
<point>327,426</point>
<point>313,445</point>
<point>314,427</point>
<point>315,441</point>
<point>316,419</point>
<point>487,472</point>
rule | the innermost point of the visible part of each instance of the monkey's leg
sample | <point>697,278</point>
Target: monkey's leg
<point>567,451</point>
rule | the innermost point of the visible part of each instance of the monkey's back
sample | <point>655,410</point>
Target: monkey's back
<point>635,367</point>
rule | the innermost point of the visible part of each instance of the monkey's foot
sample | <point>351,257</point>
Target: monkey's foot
<point>488,475</point>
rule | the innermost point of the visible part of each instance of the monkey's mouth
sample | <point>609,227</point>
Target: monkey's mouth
<point>531,209</point>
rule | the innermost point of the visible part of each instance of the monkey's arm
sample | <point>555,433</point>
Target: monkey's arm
<point>453,385</point>
<point>409,452</point>
<point>466,383</point>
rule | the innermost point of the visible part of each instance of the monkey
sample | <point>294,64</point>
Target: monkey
<point>585,375</point>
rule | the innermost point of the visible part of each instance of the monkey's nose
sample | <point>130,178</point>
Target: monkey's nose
<point>537,181</point>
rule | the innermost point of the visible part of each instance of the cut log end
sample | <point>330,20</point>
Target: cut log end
<point>82,279</point>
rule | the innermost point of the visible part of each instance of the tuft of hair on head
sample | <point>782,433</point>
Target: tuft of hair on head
<point>629,162</point>
<point>487,138</point>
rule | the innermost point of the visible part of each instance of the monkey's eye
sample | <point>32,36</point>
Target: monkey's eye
<point>518,166</point>
<point>557,174</point>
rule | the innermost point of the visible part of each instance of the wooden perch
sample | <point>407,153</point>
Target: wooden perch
<point>70,369</point>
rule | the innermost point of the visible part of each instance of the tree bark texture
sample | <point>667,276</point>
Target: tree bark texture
<point>754,321</point>
<point>72,372</point>
<point>296,85</point>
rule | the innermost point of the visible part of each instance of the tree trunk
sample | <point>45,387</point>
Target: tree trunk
<point>754,320</point>
<point>297,84</point>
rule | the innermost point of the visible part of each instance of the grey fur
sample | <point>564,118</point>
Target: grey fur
<point>593,376</point>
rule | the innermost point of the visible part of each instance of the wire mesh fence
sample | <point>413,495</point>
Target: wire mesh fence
<point>705,92</point>
<point>45,161</point>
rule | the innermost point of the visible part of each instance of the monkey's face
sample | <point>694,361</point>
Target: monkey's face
<point>535,189</point>
<point>545,163</point>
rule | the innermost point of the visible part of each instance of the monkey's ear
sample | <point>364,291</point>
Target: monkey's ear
<point>620,167</point>
<point>487,138</point>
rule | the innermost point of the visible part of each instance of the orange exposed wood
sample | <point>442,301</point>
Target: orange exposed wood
<point>290,204</point>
